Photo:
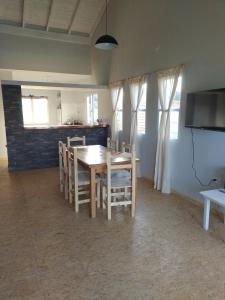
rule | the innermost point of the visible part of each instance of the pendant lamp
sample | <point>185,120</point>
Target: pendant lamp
<point>106,42</point>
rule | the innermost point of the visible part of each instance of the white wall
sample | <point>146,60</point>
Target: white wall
<point>25,53</point>
<point>104,106</point>
<point>74,105</point>
<point>158,34</point>
<point>4,75</point>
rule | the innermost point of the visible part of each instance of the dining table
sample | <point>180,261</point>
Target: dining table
<point>93,158</point>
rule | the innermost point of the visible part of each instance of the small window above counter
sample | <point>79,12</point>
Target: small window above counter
<point>55,107</point>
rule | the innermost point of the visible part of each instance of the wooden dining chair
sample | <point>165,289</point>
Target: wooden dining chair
<point>79,182</point>
<point>76,139</point>
<point>63,169</point>
<point>129,148</point>
<point>126,147</point>
<point>112,145</point>
<point>80,141</point>
<point>118,189</point>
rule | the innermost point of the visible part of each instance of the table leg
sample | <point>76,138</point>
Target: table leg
<point>93,193</point>
<point>206,214</point>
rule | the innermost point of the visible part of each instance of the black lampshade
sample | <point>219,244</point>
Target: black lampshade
<point>106,42</point>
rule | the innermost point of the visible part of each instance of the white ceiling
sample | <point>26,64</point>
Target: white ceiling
<point>72,17</point>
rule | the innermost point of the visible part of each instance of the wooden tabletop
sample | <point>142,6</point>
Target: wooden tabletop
<point>95,155</point>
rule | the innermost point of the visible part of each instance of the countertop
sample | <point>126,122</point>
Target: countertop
<point>65,126</point>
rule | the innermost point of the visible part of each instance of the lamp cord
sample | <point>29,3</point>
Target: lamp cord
<point>193,163</point>
<point>106,16</point>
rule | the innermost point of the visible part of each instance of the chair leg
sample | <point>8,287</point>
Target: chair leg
<point>76,200</point>
<point>98,195</point>
<point>61,183</point>
<point>76,207</point>
<point>103,196</point>
<point>109,208</point>
<point>132,204</point>
<point>70,182</point>
<point>66,187</point>
<point>125,193</point>
<point>70,191</point>
<point>61,174</point>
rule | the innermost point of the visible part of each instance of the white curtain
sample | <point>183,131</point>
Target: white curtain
<point>136,86</point>
<point>167,84</point>
<point>115,90</point>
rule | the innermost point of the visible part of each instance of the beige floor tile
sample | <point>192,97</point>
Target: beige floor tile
<point>49,252</point>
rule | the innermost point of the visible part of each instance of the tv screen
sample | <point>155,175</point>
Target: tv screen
<point>206,110</point>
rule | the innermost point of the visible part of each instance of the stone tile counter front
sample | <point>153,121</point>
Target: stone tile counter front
<point>37,147</point>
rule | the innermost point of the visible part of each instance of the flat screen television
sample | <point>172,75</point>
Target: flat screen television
<point>206,110</point>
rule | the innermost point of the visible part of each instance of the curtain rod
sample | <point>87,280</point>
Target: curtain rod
<point>133,77</point>
<point>147,74</point>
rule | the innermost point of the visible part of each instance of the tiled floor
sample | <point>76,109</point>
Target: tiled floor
<point>48,252</point>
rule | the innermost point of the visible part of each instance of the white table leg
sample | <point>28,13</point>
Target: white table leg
<point>206,214</point>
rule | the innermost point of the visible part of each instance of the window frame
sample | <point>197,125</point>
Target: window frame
<point>144,110</point>
<point>119,110</point>
<point>90,108</point>
<point>33,123</point>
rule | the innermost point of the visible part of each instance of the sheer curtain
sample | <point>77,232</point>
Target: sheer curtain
<point>167,84</point>
<point>115,90</point>
<point>136,86</point>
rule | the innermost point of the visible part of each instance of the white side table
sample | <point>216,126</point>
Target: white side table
<point>215,196</point>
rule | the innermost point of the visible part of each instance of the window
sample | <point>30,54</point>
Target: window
<point>141,115</point>
<point>35,110</point>
<point>120,111</point>
<point>92,108</point>
<point>174,112</point>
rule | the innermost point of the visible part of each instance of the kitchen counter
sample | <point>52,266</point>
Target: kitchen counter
<point>37,147</point>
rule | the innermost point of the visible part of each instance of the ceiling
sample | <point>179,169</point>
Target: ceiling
<point>70,17</point>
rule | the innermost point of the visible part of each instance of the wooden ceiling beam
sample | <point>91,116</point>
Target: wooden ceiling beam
<point>23,13</point>
<point>49,15</point>
<point>43,34</point>
<point>73,17</point>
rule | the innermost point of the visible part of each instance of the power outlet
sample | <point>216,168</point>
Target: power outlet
<point>218,180</point>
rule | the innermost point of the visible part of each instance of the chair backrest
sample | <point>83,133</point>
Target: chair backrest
<point>65,160</point>
<point>72,157</point>
<point>61,171</point>
<point>72,154</point>
<point>77,139</point>
<point>111,144</point>
<point>62,154</point>
<point>126,147</point>
<point>129,164</point>
<point>60,144</point>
